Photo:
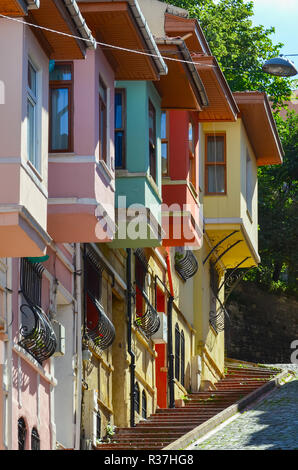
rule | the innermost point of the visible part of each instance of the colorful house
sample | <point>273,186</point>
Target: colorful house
<point>31,282</point>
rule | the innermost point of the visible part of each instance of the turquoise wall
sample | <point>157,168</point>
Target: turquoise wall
<point>139,189</point>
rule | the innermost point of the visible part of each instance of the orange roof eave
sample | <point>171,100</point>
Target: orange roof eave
<point>260,126</point>
<point>115,23</point>
<point>222,105</point>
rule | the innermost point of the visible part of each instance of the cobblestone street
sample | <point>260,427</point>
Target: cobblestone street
<point>271,424</point>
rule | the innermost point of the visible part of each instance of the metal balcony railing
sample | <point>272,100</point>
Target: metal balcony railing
<point>149,321</point>
<point>102,331</point>
<point>38,337</point>
<point>186,264</point>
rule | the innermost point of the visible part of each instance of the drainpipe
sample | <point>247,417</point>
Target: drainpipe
<point>129,345</point>
<point>171,379</point>
<point>78,346</point>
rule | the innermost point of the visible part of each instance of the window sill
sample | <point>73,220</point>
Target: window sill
<point>103,167</point>
<point>34,170</point>
<point>249,216</point>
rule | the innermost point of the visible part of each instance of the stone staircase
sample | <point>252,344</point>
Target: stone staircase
<point>167,425</point>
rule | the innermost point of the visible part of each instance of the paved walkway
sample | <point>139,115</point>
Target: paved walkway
<point>270,425</point>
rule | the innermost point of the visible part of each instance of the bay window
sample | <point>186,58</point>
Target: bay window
<point>164,143</point>
<point>102,121</point>
<point>61,90</point>
<point>152,141</point>
<point>120,128</point>
<point>215,164</point>
<point>32,116</point>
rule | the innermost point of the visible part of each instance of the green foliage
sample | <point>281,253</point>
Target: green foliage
<point>239,47</point>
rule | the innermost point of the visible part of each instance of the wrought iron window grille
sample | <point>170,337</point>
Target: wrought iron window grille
<point>147,318</point>
<point>37,334</point>
<point>144,405</point>
<point>149,321</point>
<point>31,281</point>
<point>22,433</point>
<point>177,352</point>
<point>99,331</point>
<point>35,440</point>
<point>186,263</point>
<point>182,353</point>
<point>137,397</point>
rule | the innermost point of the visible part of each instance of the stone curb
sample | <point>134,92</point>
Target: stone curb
<point>216,420</point>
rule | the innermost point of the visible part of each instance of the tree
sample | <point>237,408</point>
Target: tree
<point>278,209</point>
<point>239,47</point>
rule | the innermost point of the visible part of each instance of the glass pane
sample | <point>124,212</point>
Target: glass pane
<point>32,79</point>
<point>190,137</point>
<point>164,157</point>
<point>118,110</point>
<point>31,132</point>
<point>163,125</point>
<point>61,72</point>
<point>119,149</point>
<point>59,119</point>
<point>216,179</point>
<point>216,149</point>
<point>102,91</point>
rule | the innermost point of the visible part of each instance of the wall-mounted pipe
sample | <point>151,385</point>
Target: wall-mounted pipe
<point>171,378</point>
<point>129,337</point>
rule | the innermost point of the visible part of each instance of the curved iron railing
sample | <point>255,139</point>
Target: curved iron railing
<point>102,334</point>
<point>148,321</point>
<point>38,337</point>
<point>186,264</point>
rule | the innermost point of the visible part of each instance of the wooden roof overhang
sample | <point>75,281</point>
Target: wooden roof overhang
<point>118,24</point>
<point>260,126</point>
<point>54,14</point>
<point>222,105</point>
<point>178,26</point>
<point>13,8</point>
<point>182,87</point>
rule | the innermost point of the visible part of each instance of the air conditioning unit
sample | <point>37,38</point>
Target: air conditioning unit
<point>161,336</point>
<point>59,331</point>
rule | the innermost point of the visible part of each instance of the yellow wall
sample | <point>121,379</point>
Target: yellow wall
<point>208,344</point>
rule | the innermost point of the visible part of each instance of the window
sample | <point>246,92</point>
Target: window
<point>141,269</point>
<point>137,397</point>
<point>31,281</point>
<point>120,128</point>
<point>192,160</point>
<point>164,144</point>
<point>61,86</point>
<point>152,141</point>
<point>98,425</point>
<point>182,357</point>
<point>32,115</point>
<point>249,184</point>
<point>215,164</point>
<point>102,121</point>
<point>22,433</point>
<point>144,405</point>
<point>177,352</point>
<point>99,331</point>
<point>35,441</point>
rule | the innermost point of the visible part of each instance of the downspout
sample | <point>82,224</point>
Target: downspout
<point>78,315</point>
<point>129,343</point>
<point>171,379</point>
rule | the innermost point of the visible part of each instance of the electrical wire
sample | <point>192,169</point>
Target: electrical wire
<point>105,45</point>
